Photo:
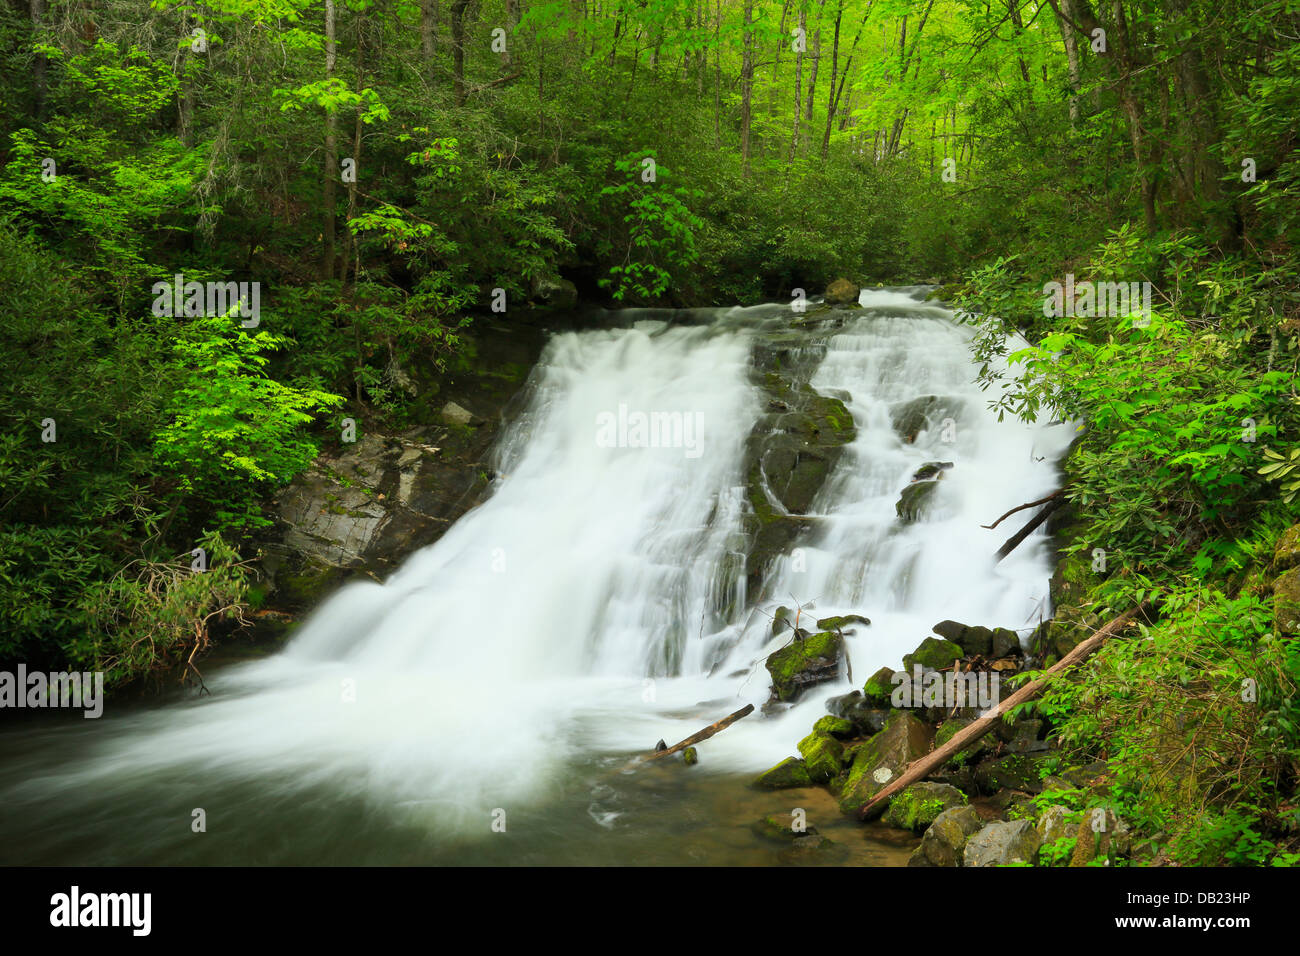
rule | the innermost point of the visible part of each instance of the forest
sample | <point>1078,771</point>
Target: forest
<point>237,234</point>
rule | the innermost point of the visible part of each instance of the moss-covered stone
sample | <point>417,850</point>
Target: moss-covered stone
<point>914,500</point>
<point>946,837</point>
<point>1286,553</point>
<point>933,653</point>
<point>882,758</point>
<point>841,622</point>
<point>789,773</point>
<point>804,663</point>
<point>1286,602</point>
<point>879,687</point>
<point>780,829</point>
<point>690,756</point>
<point>1006,643</point>
<point>948,729</point>
<point>833,727</point>
<point>917,806</point>
<point>822,756</point>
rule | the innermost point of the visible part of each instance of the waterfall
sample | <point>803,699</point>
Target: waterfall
<point>595,601</point>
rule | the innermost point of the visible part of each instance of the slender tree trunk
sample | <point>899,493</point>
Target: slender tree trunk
<point>458,50</point>
<point>833,96</point>
<point>331,147</point>
<point>746,86</point>
<point>428,35</point>
<point>1065,17</point>
<point>39,63</point>
<point>1134,112</point>
<point>798,80</point>
<point>816,61</point>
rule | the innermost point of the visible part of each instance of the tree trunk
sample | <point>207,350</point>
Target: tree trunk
<point>798,82</point>
<point>40,89</point>
<point>428,35</point>
<point>331,147</point>
<point>816,61</point>
<point>1064,17</point>
<point>833,97</point>
<point>746,87</point>
<point>458,50</point>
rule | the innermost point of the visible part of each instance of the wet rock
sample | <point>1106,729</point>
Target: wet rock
<point>841,622</point>
<point>865,718</point>
<point>999,844</point>
<point>879,688</point>
<point>822,756</point>
<point>931,469</point>
<point>933,654</point>
<point>1006,643</point>
<point>804,663</point>
<point>945,839</point>
<point>782,829</point>
<point>917,806</point>
<point>842,292</point>
<point>925,413</point>
<point>554,293</point>
<point>977,641</point>
<point>882,758</point>
<point>690,756</point>
<point>789,773</point>
<point>914,500</point>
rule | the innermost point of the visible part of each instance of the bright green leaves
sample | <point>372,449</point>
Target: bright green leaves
<point>657,241</point>
<point>1284,469</point>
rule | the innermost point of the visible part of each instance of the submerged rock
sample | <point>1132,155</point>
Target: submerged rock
<point>945,839</point>
<point>912,417</point>
<point>914,500</point>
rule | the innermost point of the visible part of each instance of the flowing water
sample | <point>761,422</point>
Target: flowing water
<point>593,604</point>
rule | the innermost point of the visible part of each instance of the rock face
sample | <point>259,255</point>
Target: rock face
<point>1286,602</point>
<point>1001,843</point>
<point>945,839</point>
<point>842,292</point>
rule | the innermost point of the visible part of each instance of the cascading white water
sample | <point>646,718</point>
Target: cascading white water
<point>582,608</point>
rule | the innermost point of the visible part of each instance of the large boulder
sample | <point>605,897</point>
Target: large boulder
<point>882,758</point>
<point>865,717</point>
<point>1286,602</point>
<point>803,663</point>
<point>945,839</point>
<point>915,500</point>
<point>842,292</point>
<point>554,293</point>
<point>1286,553</point>
<point>999,844</point>
<point>822,755</point>
<point>933,654</point>
<point>925,413</point>
<point>917,806</point>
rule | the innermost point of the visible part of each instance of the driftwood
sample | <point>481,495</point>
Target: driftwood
<point>1027,504</point>
<point>1012,542</point>
<point>920,769</point>
<point>696,737</point>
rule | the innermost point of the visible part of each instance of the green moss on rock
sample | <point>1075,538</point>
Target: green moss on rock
<point>789,773</point>
<point>934,653</point>
<point>917,806</point>
<point>803,663</point>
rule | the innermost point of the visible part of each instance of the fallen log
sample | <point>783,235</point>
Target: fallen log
<point>696,737</point>
<point>1010,544</point>
<point>920,769</point>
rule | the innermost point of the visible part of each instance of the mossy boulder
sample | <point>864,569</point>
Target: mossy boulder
<point>916,415</point>
<point>822,756</point>
<point>977,640</point>
<point>804,663</point>
<point>841,622</point>
<point>948,729</point>
<point>1006,643</point>
<point>879,688</point>
<point>786,775</point>
<point>1100,835</point>
<point>1286,602</point>
<point>781,829</point>
<point>842,292</point>
<point>914,500</point>
<point>690,756</point>
<point>1286,553</point>
<point>933,654</point>
<point>946,837</point>
<point>882,758</point>
<point>833,726</point>
<point>931,469</point>
<point>951,631</point>
<point>1053,824</point>
<point>917,806</point>
<point>864,718</point>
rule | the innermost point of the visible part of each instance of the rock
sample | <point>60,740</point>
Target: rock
<point>781,828</point>
<point>782,620</point>
<point>833,727</point>
<point>879,688</point>
<point>789,773</point>
<point>1006,643</point>
<point>933,654</point>
<point>931,469</point>
<point>554,293</point>
<point>842,292</point>
<point>1286,553</point>
<point>912,417</point>
<point>691,756</point>
<point>822,756</point>
<point>1052,825</point>
<point>1286,602</point>
<point>945,838</point>
<point>914,500</point>
<point>917,806</point>
<point>977,641</point>
<point>948,729</point>
<point>861,715</point>
<point>999,844</point>
<point>1100,835</point>
<point>839,623</point>
<point>882,758</point>
<point>804,663</point>
<point>453,414</point>
<point>951,631</point>
<point>1014,772</point>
